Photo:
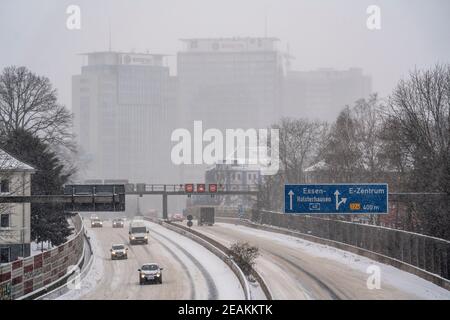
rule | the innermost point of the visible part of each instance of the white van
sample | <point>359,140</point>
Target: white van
<point>138,232</point>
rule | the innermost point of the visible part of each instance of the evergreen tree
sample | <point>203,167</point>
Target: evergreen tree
<point>48,222</point>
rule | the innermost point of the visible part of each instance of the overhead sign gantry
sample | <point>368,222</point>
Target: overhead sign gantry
<point>111,197</point>
<point>101,197</point>
<point>189,189</point>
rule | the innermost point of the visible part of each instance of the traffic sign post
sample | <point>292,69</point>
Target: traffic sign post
<point>189,220</point>
<point>336,198</point>
<point>240,211</point>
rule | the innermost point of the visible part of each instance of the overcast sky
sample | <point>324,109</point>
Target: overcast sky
<point>322,33</point>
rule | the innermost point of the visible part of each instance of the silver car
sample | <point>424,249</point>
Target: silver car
<point>96,223</point>
<point>150,272</point>
<point>117,223</point>
<point>119,251</point>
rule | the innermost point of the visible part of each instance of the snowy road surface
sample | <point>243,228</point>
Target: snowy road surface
<point>298,269</point>
<point>190,270</point>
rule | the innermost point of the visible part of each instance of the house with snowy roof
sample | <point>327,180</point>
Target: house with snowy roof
<point>15,220</point>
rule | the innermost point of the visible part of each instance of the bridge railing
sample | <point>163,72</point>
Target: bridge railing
<point>21,277</point>
<point>421,251</point>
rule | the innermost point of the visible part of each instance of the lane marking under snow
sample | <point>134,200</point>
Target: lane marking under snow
<point>183,265</point>
<point>212,289</point>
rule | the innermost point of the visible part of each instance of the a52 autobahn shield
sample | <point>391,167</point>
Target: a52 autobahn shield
<point>336,198</point>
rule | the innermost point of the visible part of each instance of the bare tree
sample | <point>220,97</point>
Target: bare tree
<point>368,125</point>
<point>419,127</point>
<point>270,195</point>
<point>353,148</point>
<point>299,144</point>
<point>28,101</point>
<point>420,109</point>
<point>341,151</point>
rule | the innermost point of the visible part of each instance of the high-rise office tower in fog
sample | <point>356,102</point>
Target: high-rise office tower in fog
<point>121,106</point>
<point>229,82</point>
<point>323,93</point>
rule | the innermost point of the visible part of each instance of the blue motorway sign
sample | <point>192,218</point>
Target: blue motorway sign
<point>336,198</point>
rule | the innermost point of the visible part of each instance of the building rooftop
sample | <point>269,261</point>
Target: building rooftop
<point>236,44</point>
<point>8,163</point>
<point>123,52</point>
<point>244,158</point>
<point>321,165</point>
<point>231,38</point>
<point>124,58</point>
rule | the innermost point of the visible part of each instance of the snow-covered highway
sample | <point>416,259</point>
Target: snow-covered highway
<point>190,271</point>
<point>294,268</point>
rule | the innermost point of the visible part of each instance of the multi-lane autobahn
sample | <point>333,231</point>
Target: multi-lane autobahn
<point>190,271</point>
<point>292,268</point>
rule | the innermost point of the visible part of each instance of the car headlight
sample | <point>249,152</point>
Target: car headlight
<point>142,275</point>
<point>113,252</point>
<point>145,237</point>
<point>158,274</point>
<point>132,238</point>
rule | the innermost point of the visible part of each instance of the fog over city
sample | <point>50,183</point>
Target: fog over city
<point>320,34</point>
<point>132,72</point>
<point>248,150</point>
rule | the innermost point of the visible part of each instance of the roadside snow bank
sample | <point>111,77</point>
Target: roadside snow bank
<point>395,277</point>
<point>93,277</point>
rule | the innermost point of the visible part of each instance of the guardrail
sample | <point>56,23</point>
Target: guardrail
<point>61,287</point>
<point>422,255</point>
<point>221,211</point>
<point>221,251</point>
<point>26,277</point>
